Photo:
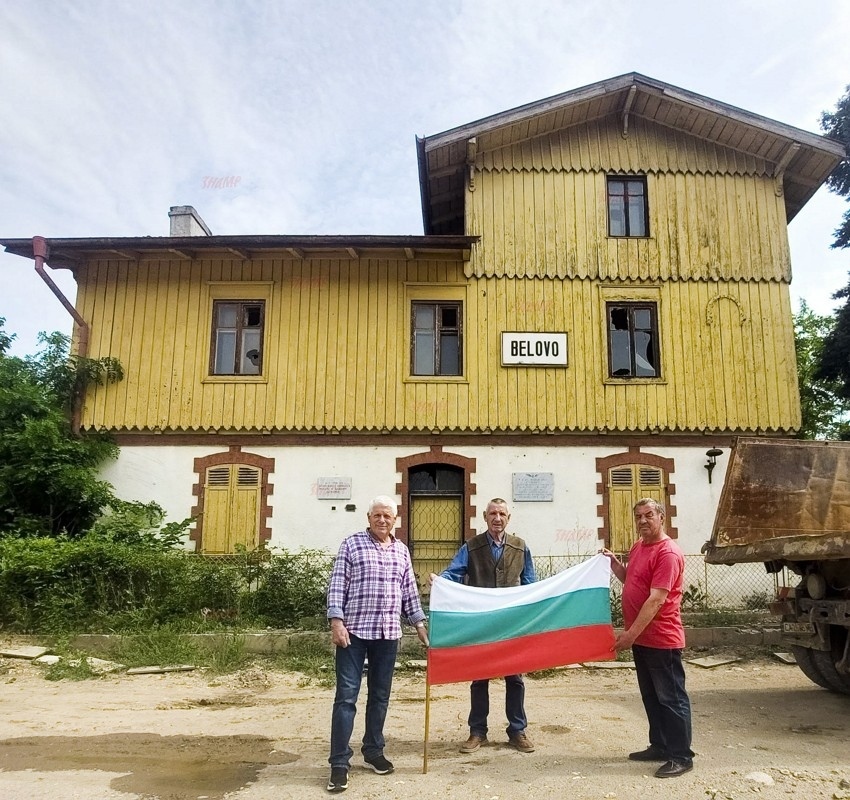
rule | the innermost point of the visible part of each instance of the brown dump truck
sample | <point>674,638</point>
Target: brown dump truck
<point>786,503</point>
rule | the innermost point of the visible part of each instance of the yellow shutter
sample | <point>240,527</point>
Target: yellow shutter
<point>231,508</point>
<point>620,503</point>
<point>626,485</point>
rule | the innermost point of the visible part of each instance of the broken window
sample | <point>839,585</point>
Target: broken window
<point>632,340</point>
<point>436,339</point>
<point>237,337</point>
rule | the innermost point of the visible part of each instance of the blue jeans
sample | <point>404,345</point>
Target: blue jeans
<point>479,695</point>
<point>661,679</point>
<point>379,682</point>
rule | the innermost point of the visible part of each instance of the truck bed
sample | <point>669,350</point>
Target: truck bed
<point>783,500</point>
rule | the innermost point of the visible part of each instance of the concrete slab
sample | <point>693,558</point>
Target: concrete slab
<point>609,664</point>
<point>159,670</point>
<point>786,658</point>
<point>25,651</point>
<point>708,662</point>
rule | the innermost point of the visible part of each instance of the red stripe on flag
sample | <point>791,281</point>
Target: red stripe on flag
<point>523,654</point>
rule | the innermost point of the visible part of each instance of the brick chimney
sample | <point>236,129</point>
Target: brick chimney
<point>185,221</point>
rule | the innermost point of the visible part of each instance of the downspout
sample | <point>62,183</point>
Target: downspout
<point>41,252</point>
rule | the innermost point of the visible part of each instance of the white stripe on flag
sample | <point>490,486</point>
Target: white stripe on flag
<point>447,595</point>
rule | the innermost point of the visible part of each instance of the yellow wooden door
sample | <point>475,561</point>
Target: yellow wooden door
<point>231,508</point>
<point>436,525</point>
<point>626,485</point>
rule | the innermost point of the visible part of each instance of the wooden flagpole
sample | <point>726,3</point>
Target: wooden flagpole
<point>427,725</point>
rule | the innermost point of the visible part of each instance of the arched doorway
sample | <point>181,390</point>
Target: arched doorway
<point>436,517</point>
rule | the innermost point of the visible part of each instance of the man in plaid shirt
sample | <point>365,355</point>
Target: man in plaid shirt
<point>372,586</point>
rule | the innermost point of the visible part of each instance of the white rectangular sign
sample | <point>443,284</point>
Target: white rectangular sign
<point>533,487</point>
<point>333,488</point>
<point>534,349</point>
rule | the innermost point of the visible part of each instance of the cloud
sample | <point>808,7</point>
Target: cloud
<point>115,111</point>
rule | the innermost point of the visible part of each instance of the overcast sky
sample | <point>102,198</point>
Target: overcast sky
<point>115,111</point>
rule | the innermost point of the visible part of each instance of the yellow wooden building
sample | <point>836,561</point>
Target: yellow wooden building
<point>600,297</point>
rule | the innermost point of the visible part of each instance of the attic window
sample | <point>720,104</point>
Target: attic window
<point>627,206</point>
<point>237,337</point>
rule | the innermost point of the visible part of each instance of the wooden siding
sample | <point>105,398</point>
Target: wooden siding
<point>337,338</point>
<point>540,207</point>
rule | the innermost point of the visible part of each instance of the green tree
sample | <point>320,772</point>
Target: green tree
<point>836,125</point>
<point>825,413</point>
<point>834,362</point>
<point>48,475</point>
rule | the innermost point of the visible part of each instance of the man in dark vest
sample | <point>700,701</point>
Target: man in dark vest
<point>494,559</point>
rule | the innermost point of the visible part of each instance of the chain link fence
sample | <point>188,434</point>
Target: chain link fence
<point>744,587</point>
<point>707,587</point>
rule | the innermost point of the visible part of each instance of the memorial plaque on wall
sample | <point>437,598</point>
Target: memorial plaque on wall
<point>534,487</point>
<point>333,488</point>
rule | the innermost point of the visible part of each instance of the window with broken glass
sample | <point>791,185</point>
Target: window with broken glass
<point>633,340</point>
<point>436,339</point>
<point>237,337</point>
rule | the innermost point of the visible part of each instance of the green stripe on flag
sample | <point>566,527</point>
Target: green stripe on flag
<point>571,610</point>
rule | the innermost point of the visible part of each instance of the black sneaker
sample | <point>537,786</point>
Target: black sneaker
<point>379,764</point>
<point>338,781</point>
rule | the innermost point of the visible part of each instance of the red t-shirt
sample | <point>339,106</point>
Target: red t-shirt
<point>659,565</point>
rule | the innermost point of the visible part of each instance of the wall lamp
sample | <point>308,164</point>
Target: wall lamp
<point>712,460</point>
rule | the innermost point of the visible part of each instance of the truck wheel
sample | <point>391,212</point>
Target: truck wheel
<point>805,661</point>
<point>825,663</point>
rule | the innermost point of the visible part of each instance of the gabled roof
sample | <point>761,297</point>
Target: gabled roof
<point>803,159</point>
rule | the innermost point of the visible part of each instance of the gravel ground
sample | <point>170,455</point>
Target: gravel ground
<point>760,728</point>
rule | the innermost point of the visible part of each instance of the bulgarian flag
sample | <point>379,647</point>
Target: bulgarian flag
<point>489,633</point>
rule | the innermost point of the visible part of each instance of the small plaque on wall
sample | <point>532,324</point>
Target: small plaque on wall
<point>533,487</point>
<point>333,488</point>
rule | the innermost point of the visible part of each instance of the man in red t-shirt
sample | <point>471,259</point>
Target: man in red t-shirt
<point>652,597</point>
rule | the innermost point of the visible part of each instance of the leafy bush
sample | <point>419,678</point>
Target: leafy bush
<point>293,586</point>
<point>96,584</point>
<point>694,598</point>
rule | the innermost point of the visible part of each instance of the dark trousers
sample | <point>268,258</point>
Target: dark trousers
<point>479,695</point>
<point>661,678</point>
<point>379,682</point>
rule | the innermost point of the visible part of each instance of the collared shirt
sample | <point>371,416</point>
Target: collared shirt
<point>372,586</point>
<point>457,570</point>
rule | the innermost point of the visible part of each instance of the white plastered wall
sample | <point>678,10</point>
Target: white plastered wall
<point>566,526</point>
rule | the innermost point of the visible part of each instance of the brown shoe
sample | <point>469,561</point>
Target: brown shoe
<point>521,742</point>
<point>473,743</point>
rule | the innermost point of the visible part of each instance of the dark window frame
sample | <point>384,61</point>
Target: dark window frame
<point>628,222</point>
<point>440,330</point>
<point>239,330</point>
<point>634,330</point>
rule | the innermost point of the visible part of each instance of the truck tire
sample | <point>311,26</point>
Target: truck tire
<point>805,661</point>
<point>819,665</point>
<point>826,665</point>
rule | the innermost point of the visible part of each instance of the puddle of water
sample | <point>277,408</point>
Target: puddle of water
<point>168,767</point>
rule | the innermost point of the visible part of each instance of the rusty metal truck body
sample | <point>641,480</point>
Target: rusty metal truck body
<point>786,503</point>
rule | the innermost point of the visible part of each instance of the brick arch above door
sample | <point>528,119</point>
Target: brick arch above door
<point>234,455</point>
<point>635,456</point>
<point>435,455</point>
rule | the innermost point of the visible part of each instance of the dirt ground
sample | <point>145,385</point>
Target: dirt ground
<point>760,728</point>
